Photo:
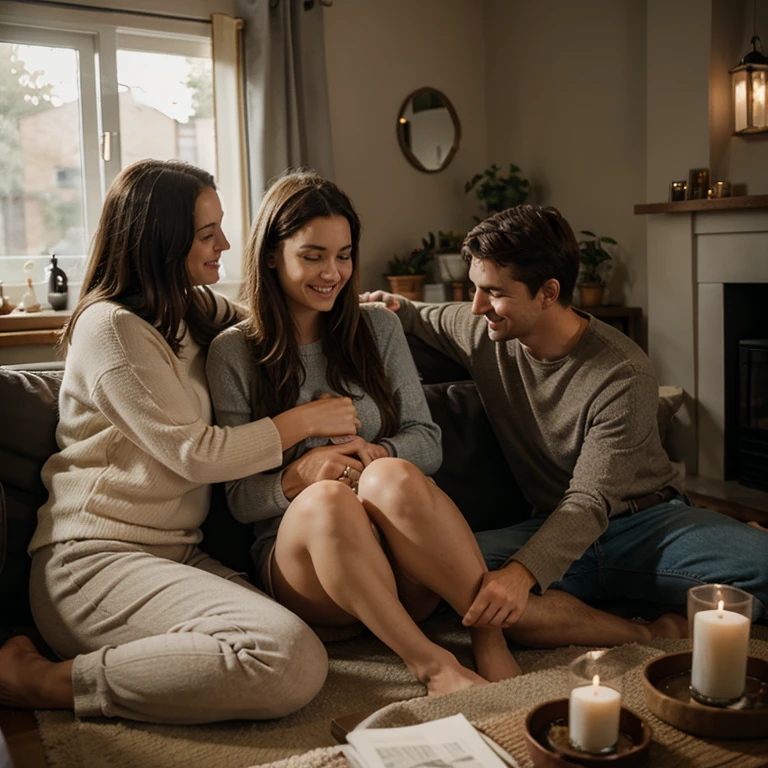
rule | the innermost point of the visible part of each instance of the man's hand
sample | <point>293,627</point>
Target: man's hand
<point>388,299</point>
<point>502,597</point>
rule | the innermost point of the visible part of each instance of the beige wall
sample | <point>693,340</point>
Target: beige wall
<point>566,102</point>
<point>377,53</point>
<point>679,35</point>
<point>742,160</point>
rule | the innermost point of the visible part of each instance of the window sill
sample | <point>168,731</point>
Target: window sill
<point>33,328</point>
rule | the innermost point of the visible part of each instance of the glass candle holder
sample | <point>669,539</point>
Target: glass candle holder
<point>719,622</point>
<point>595,681</point>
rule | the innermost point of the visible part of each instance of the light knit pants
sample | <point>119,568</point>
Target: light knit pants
<point>166,634</point>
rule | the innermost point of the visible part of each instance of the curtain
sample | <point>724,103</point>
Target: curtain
<point>287,112</point>
<point>231,154</point>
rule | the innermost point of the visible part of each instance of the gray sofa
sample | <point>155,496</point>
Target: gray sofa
<point>474,473</point>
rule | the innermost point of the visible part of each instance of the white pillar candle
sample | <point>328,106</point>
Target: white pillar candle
<point>720,640</point>
<point>593,716</point>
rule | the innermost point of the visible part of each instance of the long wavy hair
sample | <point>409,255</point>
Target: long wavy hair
<point>139,252</point>
<point>347,340</point>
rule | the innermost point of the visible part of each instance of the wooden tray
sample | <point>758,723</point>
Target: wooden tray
<point>634,740</point>
<point>665,684</point>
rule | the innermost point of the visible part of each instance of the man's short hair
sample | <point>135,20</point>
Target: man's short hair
<point>534,241</point>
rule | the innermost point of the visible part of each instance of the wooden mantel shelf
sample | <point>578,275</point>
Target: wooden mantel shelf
<point>713,204</point>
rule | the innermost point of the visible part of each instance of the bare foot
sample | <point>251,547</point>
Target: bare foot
<point>669,625</point>
<point>444,674</point>
<point>450,679</point>
<point>492,655</point>
<point>30,681</point>
<point>757,525</point>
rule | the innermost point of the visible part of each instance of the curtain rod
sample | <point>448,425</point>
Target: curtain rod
<point>149,14</point>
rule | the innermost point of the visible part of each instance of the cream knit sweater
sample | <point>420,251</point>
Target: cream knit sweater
<point>136,447</point>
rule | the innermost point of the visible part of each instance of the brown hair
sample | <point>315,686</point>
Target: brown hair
<point>139,252</point>
<point>348,343</point>
<point>537,243</point>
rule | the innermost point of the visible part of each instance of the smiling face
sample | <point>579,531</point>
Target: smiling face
<point>313,266</point>
<point>204,257</point>
<point>509,308</point>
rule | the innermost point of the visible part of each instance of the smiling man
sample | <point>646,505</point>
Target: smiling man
<point>574,406</point>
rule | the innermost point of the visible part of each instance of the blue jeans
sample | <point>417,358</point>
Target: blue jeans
<point>655,555</point>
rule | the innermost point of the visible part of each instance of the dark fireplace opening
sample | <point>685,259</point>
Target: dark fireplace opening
<point>753,410</point>
<point>744,319</point>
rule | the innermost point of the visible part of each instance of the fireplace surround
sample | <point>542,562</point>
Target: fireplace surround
<point>707,291</point>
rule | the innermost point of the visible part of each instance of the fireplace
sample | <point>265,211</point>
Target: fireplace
<point>753,413</point>
<point>707,292</point>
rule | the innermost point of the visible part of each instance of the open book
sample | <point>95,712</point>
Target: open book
<point>446,743</point>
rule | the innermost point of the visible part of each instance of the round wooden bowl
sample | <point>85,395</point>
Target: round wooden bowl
<point>634,741</point>
<point>665,684</point>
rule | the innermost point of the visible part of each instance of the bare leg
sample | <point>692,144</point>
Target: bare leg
<point>558,618</point>
<point>431,541</point>
<point>330,569</point>
<point>30,681</point>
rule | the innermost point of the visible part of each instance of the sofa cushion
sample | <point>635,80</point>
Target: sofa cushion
<point>474,472</point>
<point>434,367</point>
<point>28,415</point>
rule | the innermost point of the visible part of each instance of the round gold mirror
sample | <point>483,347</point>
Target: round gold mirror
<point>428,130</point>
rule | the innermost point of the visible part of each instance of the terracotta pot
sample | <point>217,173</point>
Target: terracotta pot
<point>592,294</point>
<point>410,286</point>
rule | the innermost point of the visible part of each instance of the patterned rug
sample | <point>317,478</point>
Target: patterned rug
<point>365,676</point>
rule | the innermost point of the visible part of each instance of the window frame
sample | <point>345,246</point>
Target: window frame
<point>100,35</point>
<point>89,124</point>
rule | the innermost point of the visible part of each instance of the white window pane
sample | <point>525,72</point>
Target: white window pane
<point>41,157</point>
<point>166,108</point>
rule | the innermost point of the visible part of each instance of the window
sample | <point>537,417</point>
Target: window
<point>82,95</point>
<point>67,178</point>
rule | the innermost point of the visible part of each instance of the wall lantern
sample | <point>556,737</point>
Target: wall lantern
<point>749,82</point>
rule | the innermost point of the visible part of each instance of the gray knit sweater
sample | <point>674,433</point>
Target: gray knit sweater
<point>259,499</point>
<point>579,433</point>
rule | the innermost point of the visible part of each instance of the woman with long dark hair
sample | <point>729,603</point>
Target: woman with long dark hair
<point>151,627</point>
<point>348,530</point>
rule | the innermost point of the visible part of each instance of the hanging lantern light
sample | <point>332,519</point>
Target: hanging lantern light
<point>749,82</point>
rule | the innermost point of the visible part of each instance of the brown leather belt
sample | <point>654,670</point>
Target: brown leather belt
<point>651,500</point>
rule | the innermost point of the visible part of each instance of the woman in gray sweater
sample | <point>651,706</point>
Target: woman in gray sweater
<point>347,530</point>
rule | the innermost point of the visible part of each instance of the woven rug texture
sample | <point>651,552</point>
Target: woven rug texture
<point>365,676</point>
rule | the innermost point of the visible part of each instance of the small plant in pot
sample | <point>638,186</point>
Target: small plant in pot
<point>594,264</point>
<point>452,266</point>
<point>407,273</point>
<point>497,193</point>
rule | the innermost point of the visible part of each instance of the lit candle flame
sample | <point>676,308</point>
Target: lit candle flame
<point>595,684</point>
<point>720,609</point>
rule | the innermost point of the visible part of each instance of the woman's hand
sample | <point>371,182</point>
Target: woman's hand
<point>377,451</point>
<point>329,417</point>
<point>330,462</point>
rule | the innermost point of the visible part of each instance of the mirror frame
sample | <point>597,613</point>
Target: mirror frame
<point>409,156</point>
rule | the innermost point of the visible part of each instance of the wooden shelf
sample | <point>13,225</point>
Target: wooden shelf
<point>28,338</point>
<point>46,320</point>
<point>745,202</point>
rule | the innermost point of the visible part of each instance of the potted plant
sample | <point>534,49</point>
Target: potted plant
<point>497,193</point>
<point>451,263</point>
<point>407,273</point>
<point>594,260</point>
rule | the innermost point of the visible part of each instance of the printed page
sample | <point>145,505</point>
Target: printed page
<point>451,742</point>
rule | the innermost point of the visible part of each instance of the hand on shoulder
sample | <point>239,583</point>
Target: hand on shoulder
<point>389,300</point>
